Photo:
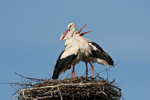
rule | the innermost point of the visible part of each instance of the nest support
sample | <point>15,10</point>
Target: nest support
<point>79,88</point>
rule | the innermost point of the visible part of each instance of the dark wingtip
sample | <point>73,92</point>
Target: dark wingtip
<point>55,76</point>
<point>113,65</point>
<point>111,62</point>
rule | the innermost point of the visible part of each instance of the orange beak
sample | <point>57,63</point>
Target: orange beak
<point>82,27</point>
<point>81,34</point>
<point>65,34</point>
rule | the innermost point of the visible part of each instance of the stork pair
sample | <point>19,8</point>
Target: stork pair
<point>79,49</point>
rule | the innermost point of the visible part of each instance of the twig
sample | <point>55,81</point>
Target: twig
<point>117,62</point>
<point>29,77</point>
<point>60,93</point>
<point>103,71</point>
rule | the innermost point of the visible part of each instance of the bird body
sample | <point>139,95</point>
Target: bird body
<point>73,54</point>
<point>79,49</point>
<point>85,49</point>
<point>92,52</point>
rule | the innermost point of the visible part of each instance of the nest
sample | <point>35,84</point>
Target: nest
<point>79,88</point>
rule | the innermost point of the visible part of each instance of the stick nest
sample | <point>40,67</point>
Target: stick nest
<point>79,88</point>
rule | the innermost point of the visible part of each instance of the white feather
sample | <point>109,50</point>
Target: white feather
<point>70,50</point>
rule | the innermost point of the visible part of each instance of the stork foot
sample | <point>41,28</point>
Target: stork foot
<point>92,71</point>
<point>73,74</point>
<point>86,70</point>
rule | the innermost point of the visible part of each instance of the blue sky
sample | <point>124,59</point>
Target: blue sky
<point>30,45</point>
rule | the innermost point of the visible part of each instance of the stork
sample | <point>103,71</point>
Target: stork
<point>97,54</point>
<point>70,56</point>
<point>71,28</point>
<point>91,53</point>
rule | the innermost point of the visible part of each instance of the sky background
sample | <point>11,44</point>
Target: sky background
<point>30,43</point>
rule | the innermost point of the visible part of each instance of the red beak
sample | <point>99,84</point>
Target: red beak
<point>82,27</point>
<point>81,34</point>
<point>65,34</point>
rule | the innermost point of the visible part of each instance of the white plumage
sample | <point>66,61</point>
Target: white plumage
<point>72,55</point>
<point>79,49</point>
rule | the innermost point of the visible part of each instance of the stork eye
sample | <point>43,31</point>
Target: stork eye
<point>70,26</point>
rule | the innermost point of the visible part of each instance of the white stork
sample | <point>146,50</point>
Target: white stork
<point>96,54</point>
<point>72,55</point>
<point>71,28</point>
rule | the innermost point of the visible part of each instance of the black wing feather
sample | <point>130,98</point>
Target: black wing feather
<point>61,64</point>
<point>97,46</point>
<point>100,53</point>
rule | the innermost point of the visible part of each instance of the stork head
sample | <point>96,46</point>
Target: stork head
<point>71,28</point>
<point>78,34</point>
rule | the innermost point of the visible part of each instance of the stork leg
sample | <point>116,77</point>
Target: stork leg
<point>92,67</point>
<point>86,70</point>
<point>71,71</point>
